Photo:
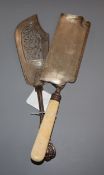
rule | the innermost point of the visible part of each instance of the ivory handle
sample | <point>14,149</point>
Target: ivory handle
<point>40,145</point>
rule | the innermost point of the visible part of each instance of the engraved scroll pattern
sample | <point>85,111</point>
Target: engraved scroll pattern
<point>31,42</point>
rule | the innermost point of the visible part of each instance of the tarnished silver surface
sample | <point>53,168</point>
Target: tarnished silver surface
<point>32,44</point>
<point>66,51</point>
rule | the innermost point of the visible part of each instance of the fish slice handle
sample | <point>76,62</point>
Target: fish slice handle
<point>40,145</point>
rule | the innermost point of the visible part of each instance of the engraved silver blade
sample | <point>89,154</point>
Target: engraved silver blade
<point>32,46</point>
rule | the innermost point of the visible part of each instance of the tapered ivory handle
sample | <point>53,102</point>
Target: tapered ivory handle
<point>40,145</point>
